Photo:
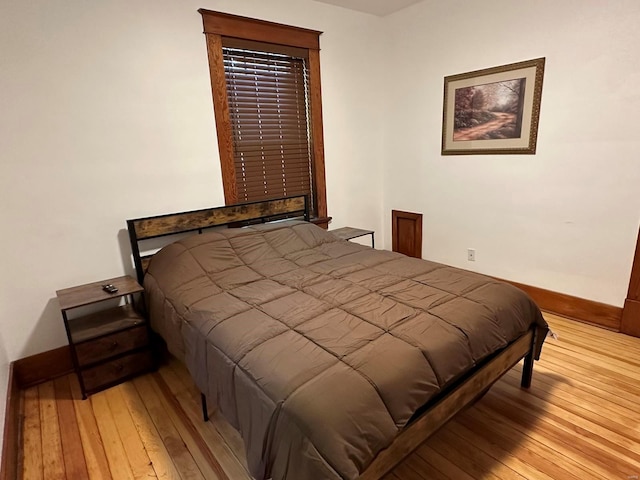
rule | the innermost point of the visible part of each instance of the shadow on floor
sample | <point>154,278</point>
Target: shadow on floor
<point>488,435</point>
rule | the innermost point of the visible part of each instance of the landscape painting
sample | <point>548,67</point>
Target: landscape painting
<point>489,111</point>
<point>494,110</point>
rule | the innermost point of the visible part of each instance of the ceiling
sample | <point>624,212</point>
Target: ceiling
<point>376,7</point>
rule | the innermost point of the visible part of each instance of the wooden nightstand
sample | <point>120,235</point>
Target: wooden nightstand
<point>111,345</point>
<point>347,233</point>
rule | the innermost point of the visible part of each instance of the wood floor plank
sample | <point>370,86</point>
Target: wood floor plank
<point>569,326</point>
<point>564,430</point>
<point>230,435</point>
<point>139,460</point>
<point>527,450</point>
<point>620,434</point>
<point>392,476</point>
<point>591,455</point>
<point>580,401</point>
<point>442,444</point>
<point>32,436</point>
<point>579,420</point>
<point>178,378</point>
<point>558,377</point>
<point>441,462</point>
<point>405,472</point>
<point>177,448</point>
<point>583,429</point>
<point>153,443</point>
<point>203,456</point>
<point>114,449</point>
<point>468,454</point>
<point>189,400</point>
<point>616,351</point>
<point>93,448</point>
<point>499,450</point>
<point>52,457</point>
<point>605,379</point>
<point>74,458</point>
<point>611,377</point>
<point>627,369</point>
<point>420,469</point>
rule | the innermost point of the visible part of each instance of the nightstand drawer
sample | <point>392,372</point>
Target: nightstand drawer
<point>111,372</point>
<point>95,350</point>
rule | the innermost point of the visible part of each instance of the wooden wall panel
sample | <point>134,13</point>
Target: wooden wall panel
<point>600,314</point>
<point>406,233</point>
<point>630,323</point>
<point>11,432</point>
<point>44,366</point>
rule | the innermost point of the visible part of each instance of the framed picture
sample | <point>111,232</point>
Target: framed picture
<point>495,110</point>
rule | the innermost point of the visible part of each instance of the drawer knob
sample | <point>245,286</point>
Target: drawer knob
<point>119,367</point>
<point>114,345</point>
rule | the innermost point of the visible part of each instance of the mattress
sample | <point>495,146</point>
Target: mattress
<point>319,350</point>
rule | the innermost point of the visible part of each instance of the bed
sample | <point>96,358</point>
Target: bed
<point>332,359</point>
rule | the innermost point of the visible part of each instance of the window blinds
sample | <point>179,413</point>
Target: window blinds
<point>267,94</point>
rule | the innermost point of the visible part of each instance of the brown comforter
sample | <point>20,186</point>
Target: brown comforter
<point>320,350</point>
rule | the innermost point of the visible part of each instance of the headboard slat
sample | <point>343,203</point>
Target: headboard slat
<point>196,220</point>
<point>187,221</point>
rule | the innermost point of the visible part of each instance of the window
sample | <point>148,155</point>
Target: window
<point>265,81</point>
<point>267,94</point>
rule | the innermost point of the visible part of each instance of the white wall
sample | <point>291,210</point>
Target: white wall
<point>106,114</point>
<point>565,219</point>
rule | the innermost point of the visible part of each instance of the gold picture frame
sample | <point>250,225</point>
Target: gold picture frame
<point>493,111</point>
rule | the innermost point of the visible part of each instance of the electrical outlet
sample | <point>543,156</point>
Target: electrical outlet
<point>471,255</point>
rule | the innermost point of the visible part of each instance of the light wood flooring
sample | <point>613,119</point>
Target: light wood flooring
<point>579,420</point>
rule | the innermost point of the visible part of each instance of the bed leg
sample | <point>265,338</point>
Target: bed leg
<point>527,370</point>
<point>205,412</point>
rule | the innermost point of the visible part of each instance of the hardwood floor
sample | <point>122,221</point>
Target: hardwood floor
<point>579,420</point>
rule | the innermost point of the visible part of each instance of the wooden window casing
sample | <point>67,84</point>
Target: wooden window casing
<point>224,33</point>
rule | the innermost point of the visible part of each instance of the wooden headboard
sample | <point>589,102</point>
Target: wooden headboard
<point>141,229</point>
